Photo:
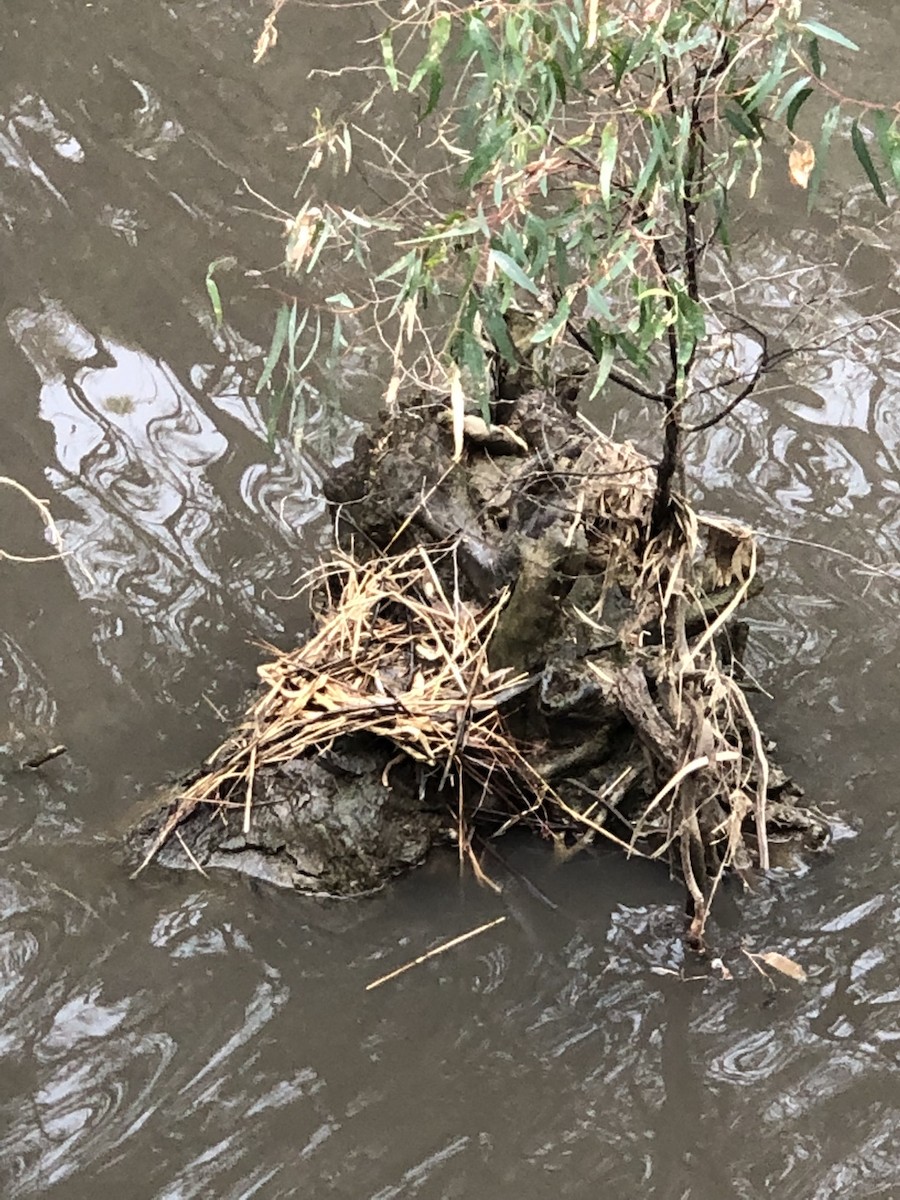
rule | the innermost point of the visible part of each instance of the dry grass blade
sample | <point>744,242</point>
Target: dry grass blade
<point>268,37</point>
<point>442,949</point>
<point>43,509</point>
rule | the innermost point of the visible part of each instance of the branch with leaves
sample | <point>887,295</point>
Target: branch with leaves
<point>583,160</point>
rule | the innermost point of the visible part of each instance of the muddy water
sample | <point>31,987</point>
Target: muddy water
<point>175,1038</point>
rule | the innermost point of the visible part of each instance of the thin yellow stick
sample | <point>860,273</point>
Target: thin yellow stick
<point>186,848</point>
<point>463,937</point>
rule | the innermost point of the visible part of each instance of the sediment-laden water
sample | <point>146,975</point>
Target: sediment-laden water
<point>175,1037</point>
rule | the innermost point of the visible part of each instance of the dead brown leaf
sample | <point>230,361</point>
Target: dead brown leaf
<point>300,233</point>
<point>781,962</point>
<point>801,163</point>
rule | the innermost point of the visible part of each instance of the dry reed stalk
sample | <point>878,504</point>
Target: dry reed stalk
<point>442,949</point>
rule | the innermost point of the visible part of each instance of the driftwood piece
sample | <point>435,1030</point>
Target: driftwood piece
<point>325,825</point>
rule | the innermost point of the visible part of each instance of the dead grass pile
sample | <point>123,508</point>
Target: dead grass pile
<point>397,655</point>
<point>690,713</point>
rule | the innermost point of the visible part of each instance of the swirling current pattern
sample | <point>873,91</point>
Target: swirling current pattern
<point>189,1038</point>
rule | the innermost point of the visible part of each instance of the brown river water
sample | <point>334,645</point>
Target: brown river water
<point>174,1037</point>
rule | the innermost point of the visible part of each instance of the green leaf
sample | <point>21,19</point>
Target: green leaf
<point>737,118</point>
<point>279,337</point>
<point>829,124</point>
<point>597,302</point>
<point>604,363</point>
<point>690,326</point>
<point>228,263</point>
<point>796,104</point>
<point>767,84</point>
<point>440,34</point>
<point>338,341</point>
<point>341,299</point>
<point>817,29</point>
<point>510,27</point>
<point>435,87</point>
<point>513,271</point>
<point>559,78</point>
<point>889,141</point>
<point>456,229</point>
<point>722,229</point>
<point>402,264</point>
<point>499,332</point>
<point>215,300</point>
<point>788,98</point>
<point>486,155</point>
<point>478,39</point>
<point>387,56</point>
<point>470,354</point>
<point>567,25</point>
<point>561,262</point>
<point>537,246</point>
<point>861,151</point>
<point>620,55</point>
<point>651,163</point>
<point>553,324</point>
<point>292,335</point>
<point>276,404</point>
<point>815,58</point>
<point>632,352</point>
<point>624,259</point>
<point>654,316</point>
<point>311,353</point>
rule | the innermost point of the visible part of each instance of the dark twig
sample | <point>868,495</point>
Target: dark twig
<point>616,376</point>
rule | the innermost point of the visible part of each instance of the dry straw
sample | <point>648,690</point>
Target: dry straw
<point>396,654</point>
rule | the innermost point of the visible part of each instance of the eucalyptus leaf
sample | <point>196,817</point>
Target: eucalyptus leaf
<point>511,269</point>
<point>552,326</point>
<point>861,151</point>
<point>279,337</point>
<point>819,30</point>
<point>736,117</point>
<point>787,99</point>
<point>797,102</point>
<point>829,124</point>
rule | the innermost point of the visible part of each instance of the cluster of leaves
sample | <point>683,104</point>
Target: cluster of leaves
<point>594,151</point>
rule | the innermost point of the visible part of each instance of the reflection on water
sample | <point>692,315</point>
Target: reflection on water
<point>135,454</point>
<point>176,1038</point>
